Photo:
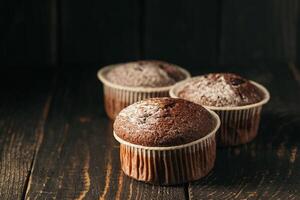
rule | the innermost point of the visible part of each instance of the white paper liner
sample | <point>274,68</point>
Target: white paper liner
<point>117,97</point>
<point>239,124</point>
<point>169,165</point>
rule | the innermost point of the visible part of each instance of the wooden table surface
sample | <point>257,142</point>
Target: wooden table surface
<point>56,141</point>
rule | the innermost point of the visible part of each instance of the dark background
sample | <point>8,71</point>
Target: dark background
<point>190,33</point>
<point>55,138</point>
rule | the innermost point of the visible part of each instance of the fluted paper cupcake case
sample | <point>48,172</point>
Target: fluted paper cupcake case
<point>117,97</point>
<point>170,165</point>
<point>239,124</point>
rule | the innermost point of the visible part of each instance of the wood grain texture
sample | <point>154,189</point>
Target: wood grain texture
<point>99,31</point>
<point>60,146</point>
<point>256,31</point>
<point>119,186</point>
<point>267,167</point>
<point>182,32</point>
<point>28,30</point>
<point>190,33</point>
<point>24,108</point>
<point>78,158</point>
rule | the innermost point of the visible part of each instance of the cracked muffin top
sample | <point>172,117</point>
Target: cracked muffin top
<point>145,74</point>
<point>163,122</point>
<point>220,90</point>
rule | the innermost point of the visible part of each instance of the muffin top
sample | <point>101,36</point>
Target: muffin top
<point>145,74</point>
<point>163,122</point>
<point>220,90</point>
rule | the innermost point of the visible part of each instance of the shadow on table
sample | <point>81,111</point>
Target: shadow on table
<point>268,163</point>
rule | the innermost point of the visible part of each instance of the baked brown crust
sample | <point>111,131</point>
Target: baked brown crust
<point>149,73</point>
<point>163,122</point>
<point>220,90</point>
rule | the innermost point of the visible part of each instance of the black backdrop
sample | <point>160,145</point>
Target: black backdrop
<point>191,33</point>
<point>53,128</point>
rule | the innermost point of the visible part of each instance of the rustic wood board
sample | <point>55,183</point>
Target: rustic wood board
<point>99,31</point>
<point>78,157</point>
<point>258,31</point>
<point>182,32</point>
<point>57,143</point>
<point>28,33</point>
<point>268,167</point>
<point>189,33</point>
<point>24,105</point>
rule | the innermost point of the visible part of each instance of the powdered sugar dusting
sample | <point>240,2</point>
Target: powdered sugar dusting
<point>137,113</point>
<point>145,73</point>
<point>163,122</point>
<point>218,90</point>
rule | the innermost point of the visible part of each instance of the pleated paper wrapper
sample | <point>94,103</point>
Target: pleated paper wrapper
<point>169,165</point>
<point>239,125</point>
<point>117,97</point>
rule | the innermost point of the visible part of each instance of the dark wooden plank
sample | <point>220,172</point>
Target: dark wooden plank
<point>79,157</point>
<point>256,31</point>
<point>182,32</point>
<point>28,33</point>
<point>24,105</point>
<point>295,71</point>
<point>99,31</point>
<point>266,168</point>
<point>119,186</point>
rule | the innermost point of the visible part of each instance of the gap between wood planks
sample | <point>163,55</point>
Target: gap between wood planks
<point>295,71</point>
<point>186,191</point>
<point>39,139</point>
<point>39,134</point>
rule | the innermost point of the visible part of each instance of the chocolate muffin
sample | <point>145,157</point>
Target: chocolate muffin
<point>145,74</point>
<point>166,140</point>
<point>221,90</point>
<point>127,83</point>
<point>163,122</point>
<point>237,100</point>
